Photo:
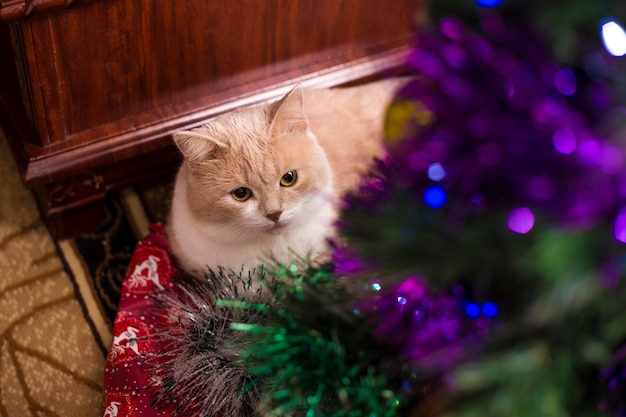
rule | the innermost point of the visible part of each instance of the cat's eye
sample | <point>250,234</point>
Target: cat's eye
<point>241,193</point>
<point>288,179</point>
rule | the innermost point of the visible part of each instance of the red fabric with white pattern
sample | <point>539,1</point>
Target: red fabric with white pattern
<point>126,375</point>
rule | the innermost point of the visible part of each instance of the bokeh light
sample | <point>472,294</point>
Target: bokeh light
<point>564,140</point>
<point>436,172</point>
<point>521,220</point>
<point>472,310</point>
<point>565,81</point>
<point>490,309</point>
<point>489,3</point>
<point>435,196</point>
<point>620,226</point>
<point>556,105</point>
<point>614,38</point>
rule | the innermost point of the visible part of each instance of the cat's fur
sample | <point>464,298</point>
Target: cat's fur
<point>329,137</point>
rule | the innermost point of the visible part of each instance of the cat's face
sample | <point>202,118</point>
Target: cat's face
<point>256,172</point>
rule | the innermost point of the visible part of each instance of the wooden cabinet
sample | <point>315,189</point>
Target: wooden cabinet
<point>91,90</point>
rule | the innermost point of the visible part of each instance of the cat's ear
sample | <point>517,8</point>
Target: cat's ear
<point>198,147</point>
<point>290,116</point>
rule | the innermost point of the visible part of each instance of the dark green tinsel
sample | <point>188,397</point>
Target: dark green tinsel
<point>293,361</point>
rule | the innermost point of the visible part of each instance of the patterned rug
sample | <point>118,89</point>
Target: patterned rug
<point>58,300</point>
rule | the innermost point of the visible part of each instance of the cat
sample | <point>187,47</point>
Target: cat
<point>266,182</point>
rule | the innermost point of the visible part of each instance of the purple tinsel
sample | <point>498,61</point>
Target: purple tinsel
<point>430,329</point>
<point>504,133</point>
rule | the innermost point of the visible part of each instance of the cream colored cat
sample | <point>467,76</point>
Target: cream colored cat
<point>266,181</point>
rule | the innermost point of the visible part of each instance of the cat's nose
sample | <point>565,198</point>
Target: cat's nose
<point>274,216</point>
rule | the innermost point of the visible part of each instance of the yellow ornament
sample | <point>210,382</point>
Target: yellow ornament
<point>402,117</point>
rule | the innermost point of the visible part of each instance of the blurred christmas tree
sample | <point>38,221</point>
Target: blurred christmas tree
<point>484,268</point>
<point>506,184</point>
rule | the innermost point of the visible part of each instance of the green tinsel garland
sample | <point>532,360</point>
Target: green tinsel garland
<point>312,356</point>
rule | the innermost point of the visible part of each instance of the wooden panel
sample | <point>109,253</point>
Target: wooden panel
<point>128,71</point>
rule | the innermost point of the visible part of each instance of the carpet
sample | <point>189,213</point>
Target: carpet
<point>58,300</point>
